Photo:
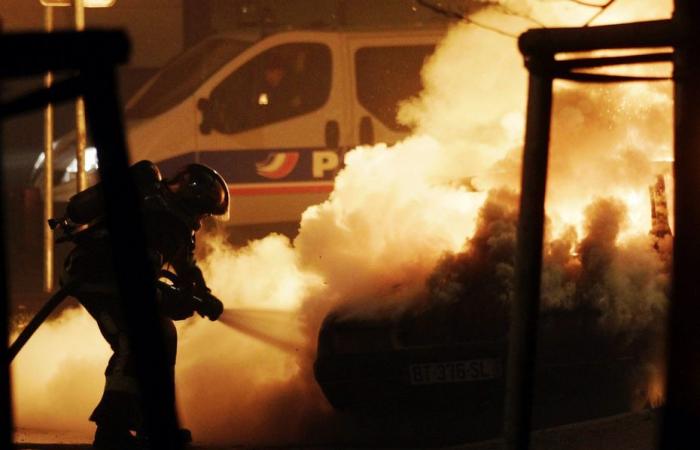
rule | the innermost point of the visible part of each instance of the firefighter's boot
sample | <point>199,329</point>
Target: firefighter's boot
<point>108,438</point>
<point>182,437</point>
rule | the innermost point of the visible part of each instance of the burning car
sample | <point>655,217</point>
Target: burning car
<point>443,358</point>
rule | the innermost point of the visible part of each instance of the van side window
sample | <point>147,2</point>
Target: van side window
<point>283,82</point>
<point>385,76</point>
<point>183,75</point>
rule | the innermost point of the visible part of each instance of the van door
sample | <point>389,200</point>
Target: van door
<point>273,125</point>
<point>386,71</point>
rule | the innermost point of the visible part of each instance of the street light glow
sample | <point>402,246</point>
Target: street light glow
<point>86,3</point>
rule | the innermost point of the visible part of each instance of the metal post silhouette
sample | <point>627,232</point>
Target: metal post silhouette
<point>682,410</point>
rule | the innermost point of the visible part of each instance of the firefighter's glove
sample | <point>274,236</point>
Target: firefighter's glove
<point>174,303</point>
<point>209,306</point>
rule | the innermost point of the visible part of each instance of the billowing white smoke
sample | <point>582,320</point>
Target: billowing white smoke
<point>57,378</point>
<point>385,225</point>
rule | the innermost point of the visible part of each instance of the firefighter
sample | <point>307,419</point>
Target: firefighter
<point>172,211</point>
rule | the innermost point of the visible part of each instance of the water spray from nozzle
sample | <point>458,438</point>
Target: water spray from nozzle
<point>279,329</point>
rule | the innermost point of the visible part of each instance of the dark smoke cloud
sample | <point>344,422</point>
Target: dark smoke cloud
<point>625,282</point>
<point>613,291</point>
<point>485,270</point>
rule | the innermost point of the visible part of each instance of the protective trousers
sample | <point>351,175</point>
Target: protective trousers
<point>120,406</point>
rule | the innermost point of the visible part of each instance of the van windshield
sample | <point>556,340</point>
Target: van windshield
<point>184,74</point>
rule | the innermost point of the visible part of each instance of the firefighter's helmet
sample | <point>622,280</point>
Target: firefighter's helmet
<point>201,190</point>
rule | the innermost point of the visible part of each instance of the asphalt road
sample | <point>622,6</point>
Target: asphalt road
<point>635,431</point>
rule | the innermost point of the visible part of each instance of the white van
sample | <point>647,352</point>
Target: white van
<point>273,116</point>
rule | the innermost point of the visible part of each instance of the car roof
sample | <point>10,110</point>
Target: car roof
<point>252,36</point>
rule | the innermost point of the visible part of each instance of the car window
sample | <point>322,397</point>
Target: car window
<point>184,74</point>
<point>385,76</point>
<point>283,82</point>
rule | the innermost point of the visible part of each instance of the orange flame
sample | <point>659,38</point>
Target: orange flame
<point>656,386</point>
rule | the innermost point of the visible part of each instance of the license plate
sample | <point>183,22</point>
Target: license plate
<point>455,371</point>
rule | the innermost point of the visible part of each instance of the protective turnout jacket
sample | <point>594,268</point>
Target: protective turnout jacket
<point>170,235</point>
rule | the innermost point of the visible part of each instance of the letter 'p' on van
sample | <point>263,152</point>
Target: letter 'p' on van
<point>273,116</point>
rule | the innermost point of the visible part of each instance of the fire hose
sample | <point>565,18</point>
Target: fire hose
<point>203,303</point>
<point>39,318</point>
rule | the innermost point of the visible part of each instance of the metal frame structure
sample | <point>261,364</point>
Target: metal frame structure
<point>91,58</point>
<point>540,48</point>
